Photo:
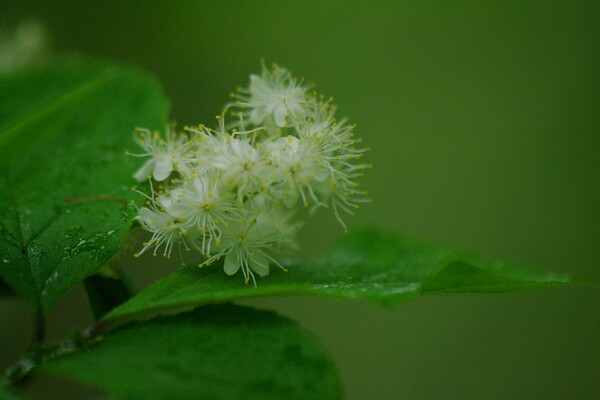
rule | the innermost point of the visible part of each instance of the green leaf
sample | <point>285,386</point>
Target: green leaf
<point>369,265</point>
<point>65,192</point>
<point>41,107</point>
<point>215,352</point>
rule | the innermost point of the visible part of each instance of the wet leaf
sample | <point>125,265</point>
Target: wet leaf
<point>64,203</point>
<point>371,265</point>
<point>215,352</point>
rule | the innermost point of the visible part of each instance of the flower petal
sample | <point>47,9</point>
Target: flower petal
<point>260,264</point>
<point>232,263</point>
<point>322,174</point>
<point>162,169</point>
<point>255,116</point>
<point>279,115</point>
<point>144,171</point>
<point>147,217</point>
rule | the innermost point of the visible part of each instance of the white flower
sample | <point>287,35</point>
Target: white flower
<point>296,168</point>
<point>166,155</point>
<point>334,144</point>
<point>235,191</point>
<point>274,96</point>
<point>246,244</point>
<point>165,229</point>
<point>201,207</point>
<point>241,167</point>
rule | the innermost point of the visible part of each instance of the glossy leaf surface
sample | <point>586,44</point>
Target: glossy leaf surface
<point>65,198</point>
<point>371,265</point>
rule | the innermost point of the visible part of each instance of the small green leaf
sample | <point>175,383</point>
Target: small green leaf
<point>215,352</point>
<point>65,192</point>
<point>367,265</point>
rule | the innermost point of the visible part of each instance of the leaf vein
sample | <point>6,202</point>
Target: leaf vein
<point>24,247</point>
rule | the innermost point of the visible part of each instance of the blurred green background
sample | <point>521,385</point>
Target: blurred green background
<point>483,119</point>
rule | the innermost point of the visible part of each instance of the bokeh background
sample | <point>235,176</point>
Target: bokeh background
<point>483,119</point>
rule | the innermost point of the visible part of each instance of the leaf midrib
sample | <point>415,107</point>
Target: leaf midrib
<point>14,132</point>
<point>24,247</point>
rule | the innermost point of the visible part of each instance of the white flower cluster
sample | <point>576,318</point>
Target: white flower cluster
<point>232,192</point>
